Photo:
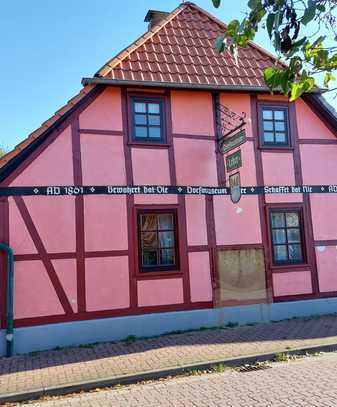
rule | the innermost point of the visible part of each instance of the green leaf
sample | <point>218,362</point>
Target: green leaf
<point>295,91</point>
<point>295,65</point>
<point>328,77</point>
<point>270,23</point>
<point>277,20</point>
<point>252,4</point>
<point>305,84</point>
<point>320,7</point>
<point>309,12</point>
<point>268,74</point>
<point>309,83</point>
<point>299,43</point>
<point>277,40</point>
<point>319,40</point>
<point>272,78</point>
<point>295,47</point>
<point>232,28</point>
<point>219,44</point>
<point>216,3</point>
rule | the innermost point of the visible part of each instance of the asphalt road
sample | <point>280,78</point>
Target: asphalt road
<point>309,382</point>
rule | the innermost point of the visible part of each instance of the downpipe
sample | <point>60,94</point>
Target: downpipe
<point>9,315</point>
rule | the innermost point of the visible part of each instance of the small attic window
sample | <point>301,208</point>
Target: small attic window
<point>148,120</point>
<point>274,126</point>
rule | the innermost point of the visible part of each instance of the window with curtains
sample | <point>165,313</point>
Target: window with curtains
<point>157,235</point>
<point>287,236</point>
<point>148,120</point>
<point>274,127</point>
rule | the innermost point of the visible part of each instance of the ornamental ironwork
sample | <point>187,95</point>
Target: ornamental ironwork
<point>227,123</point>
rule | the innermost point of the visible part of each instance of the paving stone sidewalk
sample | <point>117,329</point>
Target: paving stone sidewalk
<point>73,365</point>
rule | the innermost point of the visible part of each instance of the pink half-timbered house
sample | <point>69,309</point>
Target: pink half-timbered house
<point>101,267</point>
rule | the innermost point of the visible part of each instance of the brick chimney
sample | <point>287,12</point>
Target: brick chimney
<point>154,17</point>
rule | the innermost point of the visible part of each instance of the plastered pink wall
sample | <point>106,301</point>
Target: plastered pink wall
<point>19,237</point>
<point>105,112</point>
<point>102,160</point>
<point>160,292</point>
<point>319,164</point>
<point>327,268</point>
<point>323,210</point>
<point>143,199</point>
<point>105,223</point>
<point>292,283</point>
<point>196,220</point>
<point>54,219</point>
<point>239,223</point>
<point>239,103</point>
<point>34,295</point>
<point>278,169</point>
<point>66,272</point>
<point>151,167</point>
<point>309,124</point>
<point>53,166</point>
<point>192,113</point>
<point>195,162</point>
<point>107,283</point>
<point>200,276</point>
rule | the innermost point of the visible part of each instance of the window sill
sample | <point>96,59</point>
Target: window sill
<point>148,144</point>
<point>279,268</point>
<point>147,275</point>
<point>276,148</point>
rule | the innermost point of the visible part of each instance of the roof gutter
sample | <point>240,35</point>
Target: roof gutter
<point>183,85</point>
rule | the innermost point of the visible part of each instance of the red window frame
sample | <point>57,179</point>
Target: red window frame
<point>160,268</point>
<point>148,98</point>
<point>263,105</point>
<point>299,210</point>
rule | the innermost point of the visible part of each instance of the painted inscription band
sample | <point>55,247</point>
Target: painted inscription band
<point>163,190</point>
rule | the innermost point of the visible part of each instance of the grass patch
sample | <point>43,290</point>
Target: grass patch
<point>281,357</point>
<point>218,368</point>
<point>232,325</point>
<point>88,345</point>
<point>59,348</point>
<point>129,339</point>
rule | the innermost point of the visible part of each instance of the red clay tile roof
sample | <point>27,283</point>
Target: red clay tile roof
<point>180,49</point>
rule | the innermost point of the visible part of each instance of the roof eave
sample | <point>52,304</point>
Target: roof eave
<point>180,85</point>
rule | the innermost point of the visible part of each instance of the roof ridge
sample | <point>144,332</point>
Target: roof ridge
<point>107,67</point>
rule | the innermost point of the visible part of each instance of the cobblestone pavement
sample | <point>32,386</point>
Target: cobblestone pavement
<point>55,368</point>
<point>304,383</point>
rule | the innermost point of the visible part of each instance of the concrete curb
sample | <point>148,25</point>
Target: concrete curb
<point>154,374</point>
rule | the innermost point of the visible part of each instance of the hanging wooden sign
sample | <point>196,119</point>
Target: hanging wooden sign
<point>235,187</point>
<point>234,161</point>
<point>230,143</point>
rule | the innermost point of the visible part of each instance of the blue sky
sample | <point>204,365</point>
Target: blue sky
<point>46,47</point>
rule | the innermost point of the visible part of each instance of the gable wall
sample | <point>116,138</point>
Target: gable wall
<point>318,149</point>
<point>81,252</point>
